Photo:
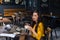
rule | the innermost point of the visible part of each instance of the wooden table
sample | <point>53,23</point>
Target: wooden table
<point>22,36</point>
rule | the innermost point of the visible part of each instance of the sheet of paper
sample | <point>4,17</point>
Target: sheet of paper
<point>8,35</point>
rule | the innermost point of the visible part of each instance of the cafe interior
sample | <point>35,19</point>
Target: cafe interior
<point>14,14</point>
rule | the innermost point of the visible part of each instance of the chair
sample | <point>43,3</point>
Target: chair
<point>50,22</point>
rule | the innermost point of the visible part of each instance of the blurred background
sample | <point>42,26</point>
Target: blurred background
<point>18,12</point>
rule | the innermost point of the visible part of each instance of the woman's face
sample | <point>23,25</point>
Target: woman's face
<point>35,17</point>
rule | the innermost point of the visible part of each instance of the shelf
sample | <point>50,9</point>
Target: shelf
<point>10,12</point>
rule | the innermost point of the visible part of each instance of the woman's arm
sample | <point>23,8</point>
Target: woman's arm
<point>39,31</point>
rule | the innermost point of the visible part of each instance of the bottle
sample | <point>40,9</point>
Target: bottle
<point>50,13</point>
<point>3,24</point>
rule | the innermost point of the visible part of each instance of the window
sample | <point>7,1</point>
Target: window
<point>6,0</point>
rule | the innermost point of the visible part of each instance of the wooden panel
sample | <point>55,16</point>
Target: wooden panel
<point>22,37</point>
<point>1,1</point>
<point>9,12</point>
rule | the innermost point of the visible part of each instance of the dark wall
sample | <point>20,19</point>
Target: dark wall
<point>53,6</point>
<point>1,9</point>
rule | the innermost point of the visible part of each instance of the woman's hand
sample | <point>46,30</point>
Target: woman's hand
<point>28,27</point>
<point>31,29</point>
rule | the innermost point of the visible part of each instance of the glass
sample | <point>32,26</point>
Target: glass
<point>17,1</point>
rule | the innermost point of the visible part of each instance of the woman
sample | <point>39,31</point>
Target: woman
<point>37,29</point>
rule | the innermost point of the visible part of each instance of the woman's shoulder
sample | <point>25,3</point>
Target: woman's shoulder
<point>40,23</point>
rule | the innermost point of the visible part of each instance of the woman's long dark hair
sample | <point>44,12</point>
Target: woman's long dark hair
<point>38,21</point>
